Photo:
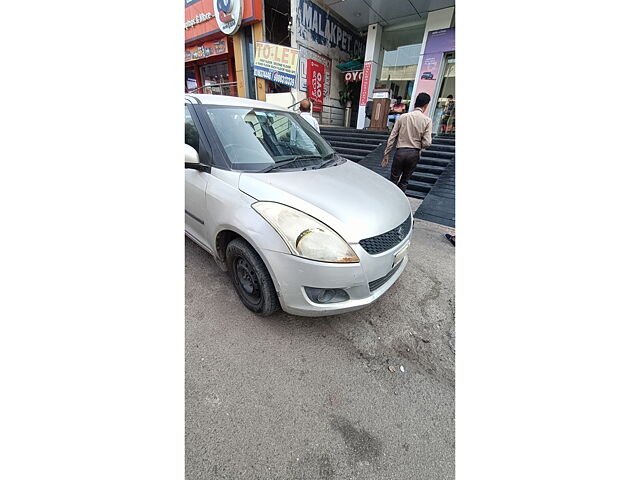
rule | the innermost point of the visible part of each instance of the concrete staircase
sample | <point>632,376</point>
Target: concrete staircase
<point>352,143</point>
<point>432,163</point>
<point>357,144</point>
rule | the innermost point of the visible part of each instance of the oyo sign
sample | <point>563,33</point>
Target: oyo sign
<point>354,76</point>
<point>228,14</point>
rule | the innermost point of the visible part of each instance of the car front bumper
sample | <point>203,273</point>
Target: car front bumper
<point>365,281</point>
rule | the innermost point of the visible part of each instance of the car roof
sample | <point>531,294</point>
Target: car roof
<point>228,101</point>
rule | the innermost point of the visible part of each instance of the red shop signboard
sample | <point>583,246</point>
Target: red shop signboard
<point>315,84</point>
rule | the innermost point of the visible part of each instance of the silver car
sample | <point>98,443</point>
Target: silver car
<point>296,225</point>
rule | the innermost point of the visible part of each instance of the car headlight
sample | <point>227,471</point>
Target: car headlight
<point>304,235</point>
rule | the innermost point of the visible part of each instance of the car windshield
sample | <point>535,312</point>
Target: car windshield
<point>256,139</point>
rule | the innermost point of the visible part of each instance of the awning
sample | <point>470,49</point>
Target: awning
<point>351,65</point>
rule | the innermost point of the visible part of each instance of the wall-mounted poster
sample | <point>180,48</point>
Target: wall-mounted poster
<point>307,54</point>
<point>438,42</point>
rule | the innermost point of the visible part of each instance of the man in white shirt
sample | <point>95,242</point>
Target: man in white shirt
<point>305,112</point>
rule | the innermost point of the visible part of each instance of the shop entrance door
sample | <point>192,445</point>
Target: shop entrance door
<point>215,77</point>
<point>444,116</point>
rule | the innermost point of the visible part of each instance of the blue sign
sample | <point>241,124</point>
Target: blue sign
<point>316,25</point>
<point>275,76</point>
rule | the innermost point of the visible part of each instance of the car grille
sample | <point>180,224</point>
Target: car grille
<point>386,241</point>
<point>381,281</point>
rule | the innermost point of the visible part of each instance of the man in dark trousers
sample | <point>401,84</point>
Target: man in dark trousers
<point>412,132</point>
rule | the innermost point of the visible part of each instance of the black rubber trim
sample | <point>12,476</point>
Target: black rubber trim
<point>381,281</point>
<point>201,167</point>
<point>194,217</point>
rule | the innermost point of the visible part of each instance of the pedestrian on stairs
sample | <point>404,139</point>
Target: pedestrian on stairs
<point>412,132</point>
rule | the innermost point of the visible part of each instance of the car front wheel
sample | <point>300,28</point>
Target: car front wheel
<point>251,278</point>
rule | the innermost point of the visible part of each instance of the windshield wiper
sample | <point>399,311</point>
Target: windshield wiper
<point>327,160</point>
<point>284,163</point>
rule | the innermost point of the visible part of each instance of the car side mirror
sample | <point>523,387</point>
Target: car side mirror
<point>190,155</point>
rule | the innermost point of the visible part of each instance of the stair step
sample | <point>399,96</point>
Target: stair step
<point>364,146</point>
<point>436,150</point>
<point>352,151</point>
<point>442,147</point>
<point>425,177</point>
<point>419,186</point>
<point>353,158</point>
<point>352,131</point>
<point>414,193</point>
<point>437,139</point>
<point>365,140</point>
<point>358,140</point>
<point>436,154</point>
<point>435,169</point>
<point>440,162</point>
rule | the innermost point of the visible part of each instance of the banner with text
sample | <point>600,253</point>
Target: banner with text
<point>276,63</point>
<point>315,84</point>
<point>303,62</point>
<point>366,81</point>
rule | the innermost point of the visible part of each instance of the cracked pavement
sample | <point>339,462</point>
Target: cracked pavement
<point>288,397</point>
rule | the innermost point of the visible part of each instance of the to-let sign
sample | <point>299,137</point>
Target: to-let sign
<point>315,83</point>
<point>276,57</point>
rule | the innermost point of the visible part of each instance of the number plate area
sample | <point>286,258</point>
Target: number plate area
<point>400,255</point>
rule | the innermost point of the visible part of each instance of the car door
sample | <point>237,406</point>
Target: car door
<point>195,183</point>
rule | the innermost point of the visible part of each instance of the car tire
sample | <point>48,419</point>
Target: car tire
<point>251,278</point>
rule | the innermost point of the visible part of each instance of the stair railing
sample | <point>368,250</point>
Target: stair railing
<point>334,115</point>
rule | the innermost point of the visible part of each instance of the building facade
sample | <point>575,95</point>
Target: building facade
<point>219,45</point>
<point>345,50</point>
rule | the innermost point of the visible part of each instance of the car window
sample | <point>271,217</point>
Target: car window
<point>252,137</point>
<point>191,136</point>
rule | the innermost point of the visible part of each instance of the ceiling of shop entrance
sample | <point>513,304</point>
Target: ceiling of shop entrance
<point>361,13</point>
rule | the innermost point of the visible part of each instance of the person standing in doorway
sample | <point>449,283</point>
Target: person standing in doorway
<point>412,132</point>
<point>397,109</point>
<point>305,112</point>
<point>447,123</point>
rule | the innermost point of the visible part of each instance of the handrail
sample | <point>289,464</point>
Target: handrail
<point>324,105</point>
<point>294,104</point>
<point>331,117</point>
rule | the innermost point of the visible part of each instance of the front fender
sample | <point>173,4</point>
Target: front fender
<point>229,209</point>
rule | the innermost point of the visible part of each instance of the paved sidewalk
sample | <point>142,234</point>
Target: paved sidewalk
<point>288,397</point>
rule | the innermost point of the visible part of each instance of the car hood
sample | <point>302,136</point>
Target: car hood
<point>353,200</point>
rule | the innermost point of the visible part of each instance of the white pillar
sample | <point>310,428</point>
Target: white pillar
<point>436,20</point>
<point>371,54</point>
<point>296,95</point>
